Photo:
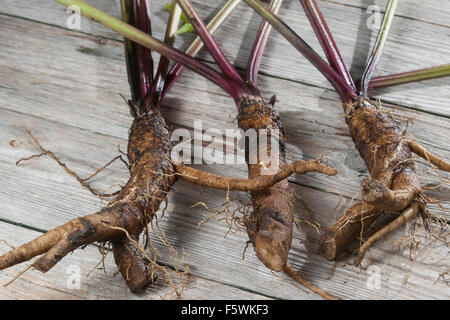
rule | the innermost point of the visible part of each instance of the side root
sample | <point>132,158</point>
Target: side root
<point>410,213</point>
<point>251,185</point>
<point>289,270</point>
<point>423,153</point>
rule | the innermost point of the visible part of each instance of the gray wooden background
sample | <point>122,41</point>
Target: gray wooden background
<point>64,86</point>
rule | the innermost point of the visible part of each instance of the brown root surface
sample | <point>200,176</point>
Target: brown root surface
<point>346,229</point>
<point>425,154</point>
<point>393,184</point>
<point>270,224</point>
<point>151,176</point>
<point>137,272</point>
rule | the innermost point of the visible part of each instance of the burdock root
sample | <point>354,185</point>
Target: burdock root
<point>393,184</point>
<point>152,174</point>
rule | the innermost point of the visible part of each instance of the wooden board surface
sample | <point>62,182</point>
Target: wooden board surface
<point>64,87</point>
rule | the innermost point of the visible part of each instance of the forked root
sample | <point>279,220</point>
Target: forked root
<point>410,213</point>
<point>393,184</point>
<point>58,242</point>
<point>136,272</point>
<point>253,184</point>
<point>289,270</point>
<point>84,182</point>
<point>149,266</point>
<point>404,195</point>
<point>344,231</point>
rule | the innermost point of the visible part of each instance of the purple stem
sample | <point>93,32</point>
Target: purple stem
<point>154,44</point>
<point>210,43</point>
<point>259,45</point>
<point>410,76</point>
<point>326,40</point>
<point>164,62</point>
<point>139,59</point>
<point>178,69</point>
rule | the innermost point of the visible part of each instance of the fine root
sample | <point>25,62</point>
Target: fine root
<point>18,275</point>
<point>83,182</point>
<point>235,218</point>
<point>7,243</point>
<point>313,224</point>
<point>103,254</point>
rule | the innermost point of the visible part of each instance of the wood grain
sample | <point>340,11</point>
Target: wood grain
<point>96,283</point>
<point>413,42</point>
<point>64,86</point>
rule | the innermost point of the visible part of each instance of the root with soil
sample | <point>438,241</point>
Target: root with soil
<point>393,184</point>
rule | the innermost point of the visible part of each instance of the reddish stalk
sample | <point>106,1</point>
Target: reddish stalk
<point>149,42</point>
<point>344,90</point>
<point>172,27</point>
<point>326,40</point>
<point>213,48</point>
<point>254,61</point>
<point>176,71</point>
<point>139,58</point>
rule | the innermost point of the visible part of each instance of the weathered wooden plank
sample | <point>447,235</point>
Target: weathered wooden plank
<point>44,87</point>
<point>74,278</point>
<point>431,11</point>
<point>410,37</point>
<point>42,195</point>
<point>36,87</point>
<point>54,13</point>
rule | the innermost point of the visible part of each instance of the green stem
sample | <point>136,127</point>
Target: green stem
<point>198,44</point>
<point>163,66</point>
<point>155,45</point>
<point>411,76</point>
<point>213,25</point>
<point>379,45</point>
